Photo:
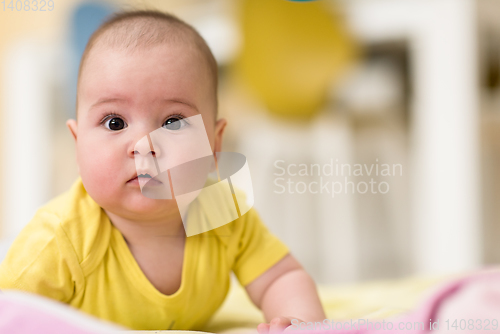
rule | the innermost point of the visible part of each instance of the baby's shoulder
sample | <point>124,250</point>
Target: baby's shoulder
<point>76,219</point>
<point>237,232</point>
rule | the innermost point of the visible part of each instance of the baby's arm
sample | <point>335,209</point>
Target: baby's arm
<point>285,292</point>
<point>42,260</point>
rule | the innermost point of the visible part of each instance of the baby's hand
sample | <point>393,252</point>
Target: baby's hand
<point>276,325</point>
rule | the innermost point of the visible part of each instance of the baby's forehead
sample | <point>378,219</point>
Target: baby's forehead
<point>139,78</point>
<point>103,53</point>
<point>143,35</point>
<point>156,61</point>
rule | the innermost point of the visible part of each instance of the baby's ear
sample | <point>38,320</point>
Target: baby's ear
<point>220,125</point>
<point>71,124</point>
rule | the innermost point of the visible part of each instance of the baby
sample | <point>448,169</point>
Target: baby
<point>107,249</point>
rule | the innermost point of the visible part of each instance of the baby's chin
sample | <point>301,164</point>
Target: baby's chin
<point>143,208</point>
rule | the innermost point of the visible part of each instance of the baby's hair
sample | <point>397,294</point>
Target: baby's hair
<point>130,30</point>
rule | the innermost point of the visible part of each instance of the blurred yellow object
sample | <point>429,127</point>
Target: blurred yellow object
<point>292,53</point>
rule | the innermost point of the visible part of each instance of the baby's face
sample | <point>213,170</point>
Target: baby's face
<point>122,98</point>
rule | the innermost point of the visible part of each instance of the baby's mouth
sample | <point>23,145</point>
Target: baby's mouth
<point>146,178</point>
<point>143,179</point>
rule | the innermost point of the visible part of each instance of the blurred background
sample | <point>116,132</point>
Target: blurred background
<point>404,92</point>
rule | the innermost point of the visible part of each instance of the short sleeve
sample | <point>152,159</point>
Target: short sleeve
<point>258,249</point>
<point>41,261</point>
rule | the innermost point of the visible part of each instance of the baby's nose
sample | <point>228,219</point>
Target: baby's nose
<point>145,146</point>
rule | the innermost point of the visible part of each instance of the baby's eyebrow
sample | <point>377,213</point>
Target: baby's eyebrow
<point>112,100</point>
<point>182,102</point>
<point>106,100</point>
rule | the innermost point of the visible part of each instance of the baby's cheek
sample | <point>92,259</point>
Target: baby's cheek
<point>101,171</point>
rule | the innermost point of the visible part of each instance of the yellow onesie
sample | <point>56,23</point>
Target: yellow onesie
<point>72,253</point>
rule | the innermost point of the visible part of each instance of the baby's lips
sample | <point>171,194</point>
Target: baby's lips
<point>146,177</point>
<point>148,180</point>
<point>146,172</point>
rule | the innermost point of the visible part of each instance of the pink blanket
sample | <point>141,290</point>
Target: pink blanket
<point>467,305</point>
<point>23,313</point>
<point>470,305</point>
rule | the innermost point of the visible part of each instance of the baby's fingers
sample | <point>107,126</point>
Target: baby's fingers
<point>290,329</point>
<point>263,328</point>
<point>279,324</point>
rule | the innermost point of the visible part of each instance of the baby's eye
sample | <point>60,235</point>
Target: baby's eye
<point>174,123</point>
<point>115,124</point>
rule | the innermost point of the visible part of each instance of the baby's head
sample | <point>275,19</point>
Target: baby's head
<point>140,71</point>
